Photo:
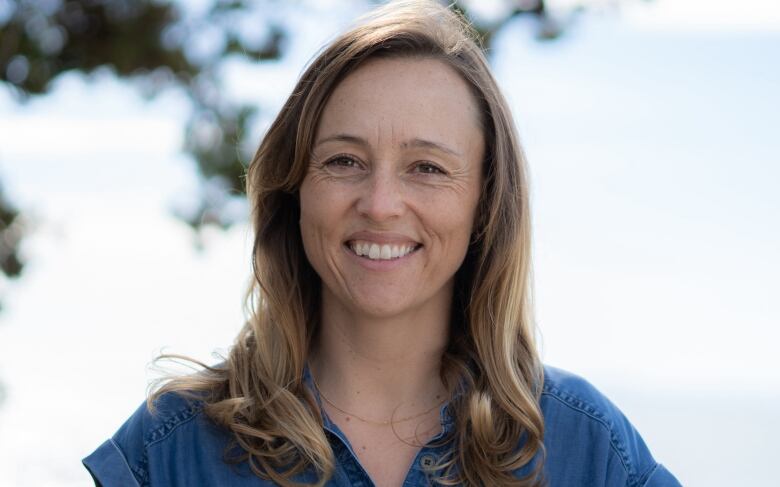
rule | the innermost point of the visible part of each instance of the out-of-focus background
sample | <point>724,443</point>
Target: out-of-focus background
<point>652,129</point>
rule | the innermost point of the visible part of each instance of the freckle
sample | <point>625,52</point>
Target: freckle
<point>358,392</point>
<point>347,418</point>
<point>362,447</point>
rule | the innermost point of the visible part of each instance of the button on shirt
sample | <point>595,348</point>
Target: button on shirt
<point>588,442</point>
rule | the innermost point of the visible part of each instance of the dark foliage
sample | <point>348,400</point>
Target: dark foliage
<point>147,42</point>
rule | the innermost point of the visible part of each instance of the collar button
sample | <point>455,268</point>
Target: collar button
<point>427,461</point>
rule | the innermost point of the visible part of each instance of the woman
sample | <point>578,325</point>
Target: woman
<point>391,341</point>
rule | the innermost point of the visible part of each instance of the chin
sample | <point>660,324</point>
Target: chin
<point>386,302</point>
<point>379,308</point>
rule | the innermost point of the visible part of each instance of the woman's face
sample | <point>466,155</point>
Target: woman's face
<point>390,196</point>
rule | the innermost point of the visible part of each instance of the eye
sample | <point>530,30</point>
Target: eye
<point>429,168</point>
<point>342,161</point>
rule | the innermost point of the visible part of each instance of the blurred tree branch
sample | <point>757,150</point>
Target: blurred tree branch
<point>145,41</point>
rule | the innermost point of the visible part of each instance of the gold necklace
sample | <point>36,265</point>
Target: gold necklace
<point>369,421</point>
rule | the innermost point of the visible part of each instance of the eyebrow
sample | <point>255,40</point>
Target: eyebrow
<point>417,143</point>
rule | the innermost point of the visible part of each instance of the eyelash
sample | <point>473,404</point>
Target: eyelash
<point>341,157</point>
<point>436,169</point>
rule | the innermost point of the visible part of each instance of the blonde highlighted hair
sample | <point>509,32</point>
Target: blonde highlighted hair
<point>258,392</point>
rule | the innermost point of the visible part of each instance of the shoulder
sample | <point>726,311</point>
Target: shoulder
<point>169,413</point>
<point>565,389</point>
<point>124,459</point>
<point>589,441</point>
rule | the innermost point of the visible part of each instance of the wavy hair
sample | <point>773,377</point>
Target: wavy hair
<point>491,364</point>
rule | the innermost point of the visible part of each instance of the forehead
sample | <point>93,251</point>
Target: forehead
<point>402,98</point>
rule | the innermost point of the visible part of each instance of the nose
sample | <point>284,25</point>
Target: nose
<point>381,198</point>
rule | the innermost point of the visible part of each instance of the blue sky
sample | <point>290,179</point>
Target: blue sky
<point>651,139</point>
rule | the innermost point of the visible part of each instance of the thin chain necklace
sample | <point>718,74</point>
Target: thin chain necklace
<point>370,421</point>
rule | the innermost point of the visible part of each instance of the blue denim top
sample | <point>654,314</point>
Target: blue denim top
<point>588,442</point>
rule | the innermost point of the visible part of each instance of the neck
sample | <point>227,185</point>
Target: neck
<point>380,367</point>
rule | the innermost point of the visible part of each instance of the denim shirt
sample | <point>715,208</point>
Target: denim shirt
<point>588,443</point>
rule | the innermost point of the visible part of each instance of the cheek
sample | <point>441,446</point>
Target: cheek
<point>465,227</point>
<point>309,221</point>
<point>461,212</point>
<point>320,195</point>
<point>452,225</point>
<point>320,216</point>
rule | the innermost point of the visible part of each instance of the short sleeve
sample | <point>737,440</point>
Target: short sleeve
<point>660,477</point>
<point>108,466</point>
<point>121,460</point>
<point>147,448</point>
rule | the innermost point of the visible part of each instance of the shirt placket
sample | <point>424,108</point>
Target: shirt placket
<point>349,471</point>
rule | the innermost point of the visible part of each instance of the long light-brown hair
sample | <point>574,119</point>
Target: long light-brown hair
<point>258,392</point>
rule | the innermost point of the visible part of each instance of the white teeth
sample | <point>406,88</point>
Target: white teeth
<point>374,251</point>
<point>380,252</point>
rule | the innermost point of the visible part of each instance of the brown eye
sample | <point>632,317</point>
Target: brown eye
<point>342,162</point>
<point>429,168</point>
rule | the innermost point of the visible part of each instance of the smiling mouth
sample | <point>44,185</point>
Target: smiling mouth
<point>374,251</point>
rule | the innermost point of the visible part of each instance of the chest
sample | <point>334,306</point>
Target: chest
<point>388,453</point>
<point>387,467</point>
